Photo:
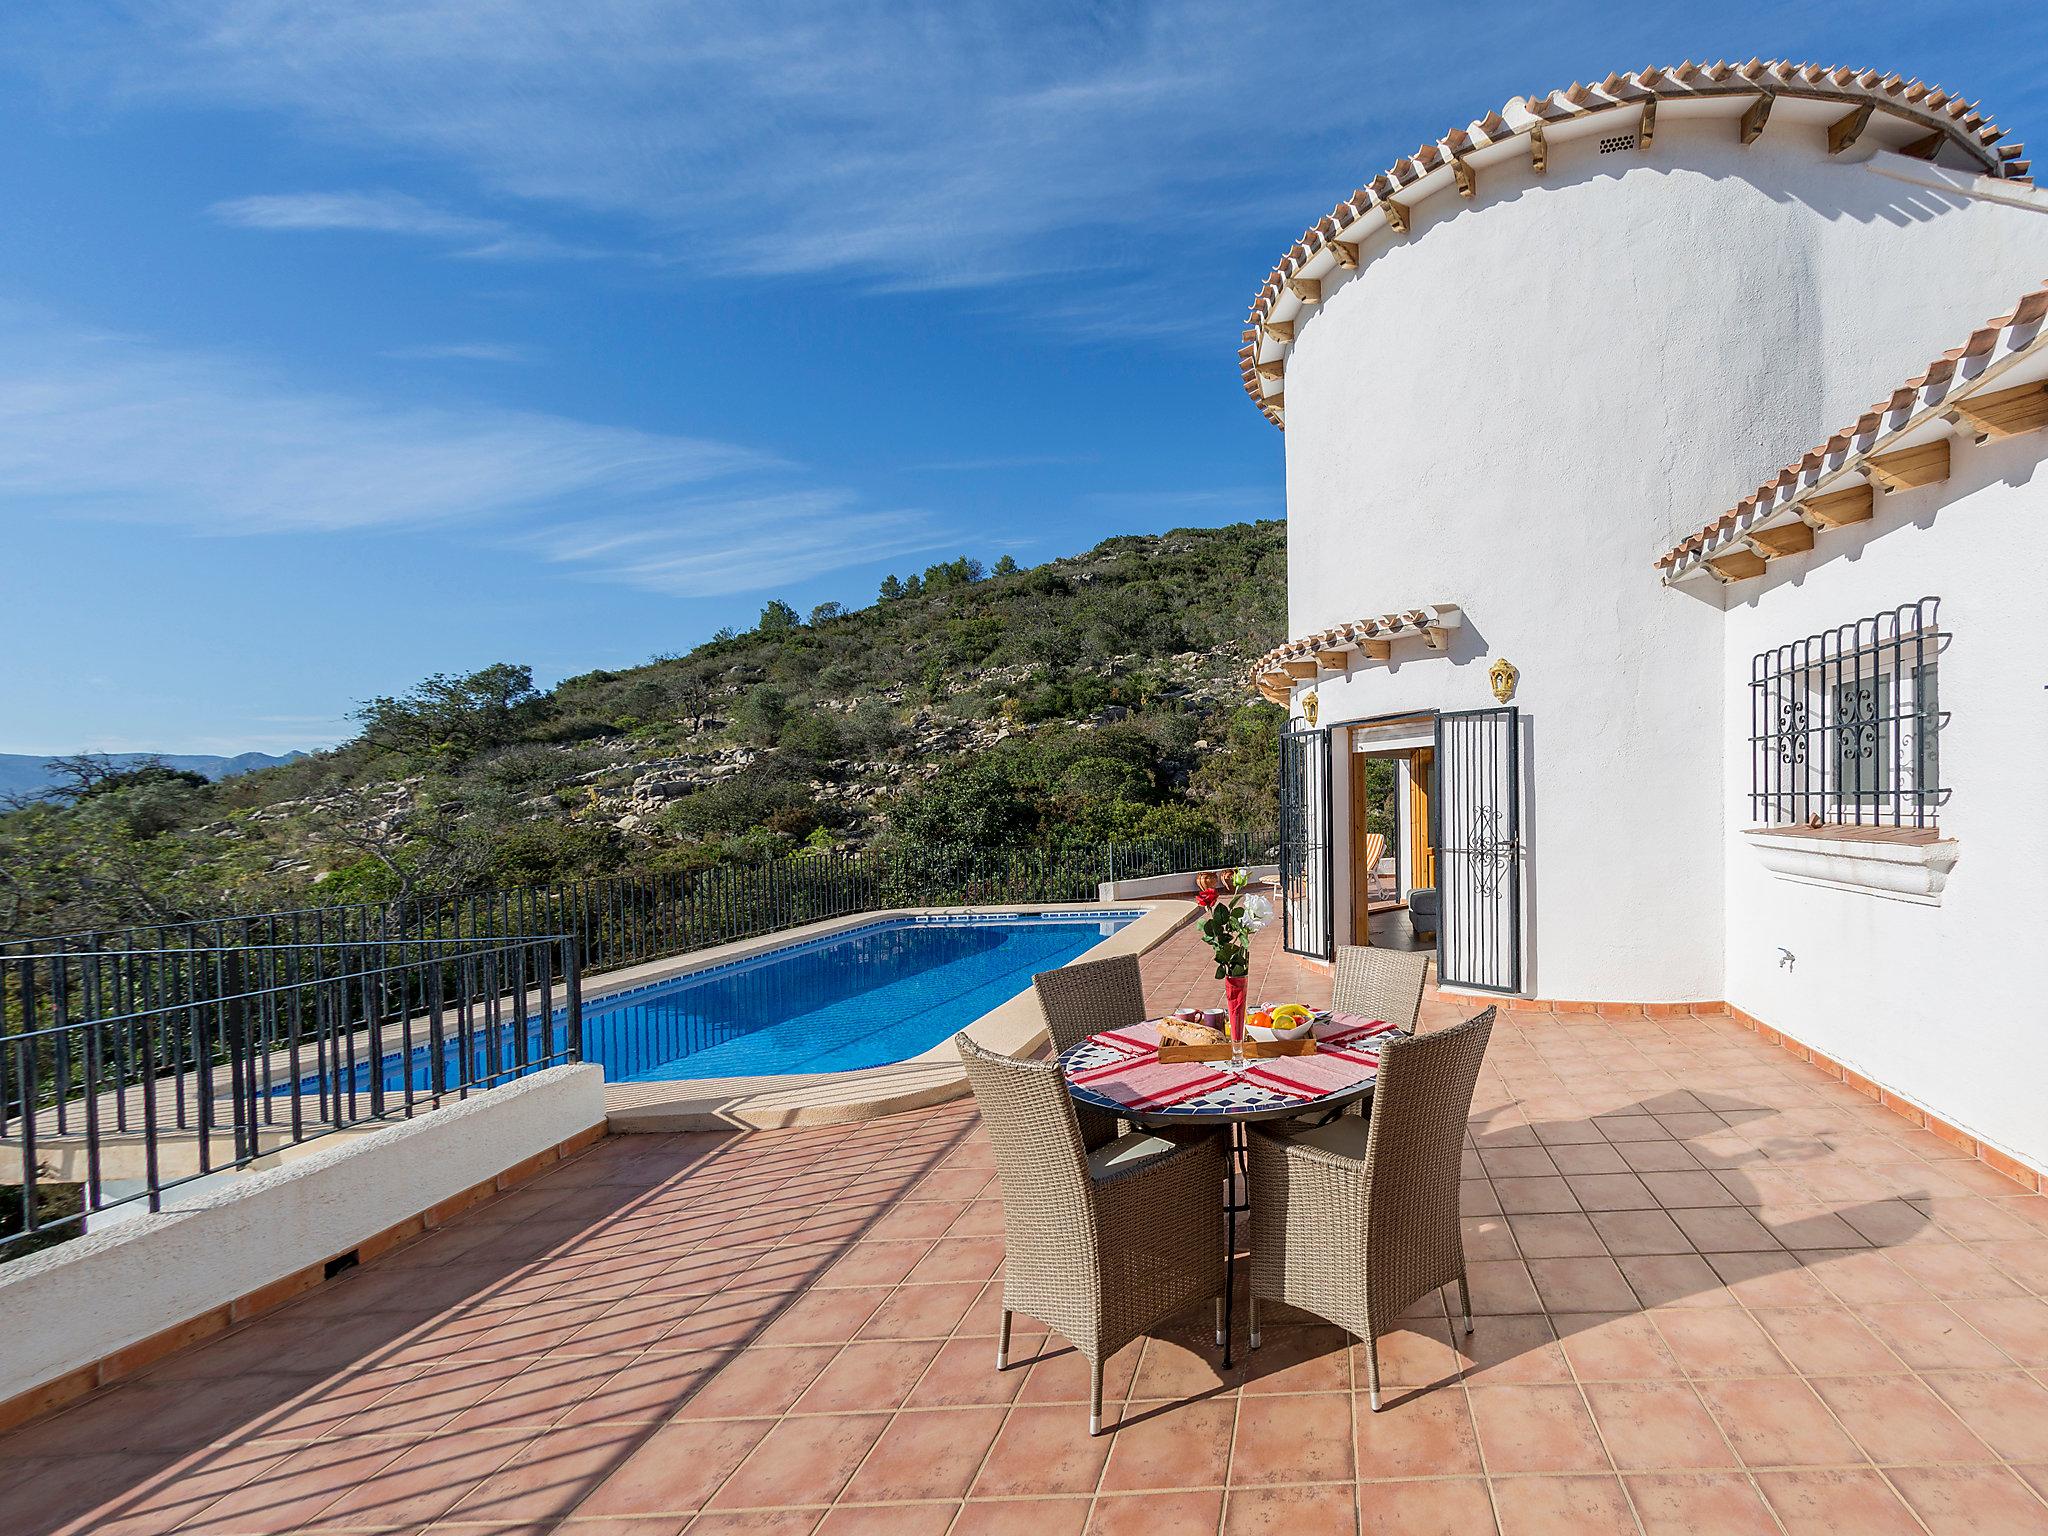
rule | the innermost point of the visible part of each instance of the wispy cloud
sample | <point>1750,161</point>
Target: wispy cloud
<point>111,428</point>
<point>465,352</point>
<point>923,146</point>
<point>386,213</point>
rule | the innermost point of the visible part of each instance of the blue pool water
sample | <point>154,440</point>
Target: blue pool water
<point>882,992</point>
<point>875,994</point>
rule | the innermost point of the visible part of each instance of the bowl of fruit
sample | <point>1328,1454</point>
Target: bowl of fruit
<point>1281,1021</point>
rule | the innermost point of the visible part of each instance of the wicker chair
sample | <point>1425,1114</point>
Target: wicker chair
<point>1380,984</point>
<point>1083,1000</point>
<point>1357,1220</point>
<point>1099,1246</point>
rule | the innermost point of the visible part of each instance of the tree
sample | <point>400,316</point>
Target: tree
<point>892,588</point>
<point>762,714</point>
<point>447,715</point>
<point>976,803</point>
<point>1007,566</point>
<point>825,613</point>
<point>778,618</point>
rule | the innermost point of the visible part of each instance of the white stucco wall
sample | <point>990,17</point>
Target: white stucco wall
<point>70,1306</point>
<point>1942,1004</point>
<point>1519,406</point>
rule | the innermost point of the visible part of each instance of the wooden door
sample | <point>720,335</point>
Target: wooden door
<point>1421,852</point>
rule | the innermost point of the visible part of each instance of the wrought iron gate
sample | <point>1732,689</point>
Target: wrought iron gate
<point>1476,827</point>
<point>1305,840</point>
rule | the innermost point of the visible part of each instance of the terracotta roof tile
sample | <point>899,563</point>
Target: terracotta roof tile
<point>2019,329</point>
<point>1894,92</point>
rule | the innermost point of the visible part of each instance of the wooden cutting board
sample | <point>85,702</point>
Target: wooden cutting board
<point>1306,1046</point>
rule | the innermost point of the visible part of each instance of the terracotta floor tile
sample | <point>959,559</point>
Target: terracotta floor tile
<point>1058,1373</point>
<point>1487,1237</point>
<point>1837,1502</point>
<point>1896,1419</point>
<point>1536,1429</point>
<point>1451,1506</point>
<point>1183,1446</point>
<point>1169,1368</point>
<point>1534,1195</point>
<point>1930,1337</point>
<point>921,1311</point>
<point>1827,1341</point>
<point>1863,1277</point>
<point>1777,1421</point>
<point>1021,1517</point>
<point>1626,1233</point>
<point>1720,1341</point>
<point>927,1455</point>
<point>866,1377</point>
<point>1317,1358</point>
<point>1513,1351</point>
<point>1293,1438</point>
<point>1151,1514</point>
<point>675,1469</point>
<point>1666,1280</point>
<point>425,1481</point>
<point>1597,1156</point>
<point>1612,1192</point>
<point>1555,1236</point>
<point>1657,1427</point>
<point>1623,1346</point>
<point>1417,1434</point>
<point>1563,1506</point>
<point>889,1520</point>
<point>759,1382</point>
<point>1729,1229</point>
<point>551,1475</point>
<point>875,1263</point>
<point>1581,1285</point>
<point>801,1461</point>
<point>1314,1511</point>
<point>963,1374</point>
<point>1700,1504</point>
<point>2017,1325</point>
<point>2007,1409</point>
<point>1501,1286</point>
<point>290,1494</point>
<point>1043,1450</point>
<point>1972,1501</point>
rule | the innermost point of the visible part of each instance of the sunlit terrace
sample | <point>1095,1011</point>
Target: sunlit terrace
<point>1715,1290</point>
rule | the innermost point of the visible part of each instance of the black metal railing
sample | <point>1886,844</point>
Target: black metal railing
<point>230,1036</point>
<point>1845,726</point>
<point>129,1071</point>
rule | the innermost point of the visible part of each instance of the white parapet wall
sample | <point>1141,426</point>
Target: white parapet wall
<point>1179,884</point>
<point>84,1301</point>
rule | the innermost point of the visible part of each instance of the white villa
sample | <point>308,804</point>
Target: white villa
<point>1707,679</point>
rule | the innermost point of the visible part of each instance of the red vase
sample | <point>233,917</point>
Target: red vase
<point>1233,1000</point>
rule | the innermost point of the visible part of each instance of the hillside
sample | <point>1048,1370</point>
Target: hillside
<point>29,773</point>
<point>1099,696</point>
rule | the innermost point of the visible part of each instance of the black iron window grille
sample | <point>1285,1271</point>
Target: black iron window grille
<point>1845,726</point>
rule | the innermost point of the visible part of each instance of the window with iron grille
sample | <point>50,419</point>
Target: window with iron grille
<point>1845,726</point>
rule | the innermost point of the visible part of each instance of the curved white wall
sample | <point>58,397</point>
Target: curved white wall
<point>1519,406</point>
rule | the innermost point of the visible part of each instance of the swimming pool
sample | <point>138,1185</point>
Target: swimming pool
<point>865,996</point>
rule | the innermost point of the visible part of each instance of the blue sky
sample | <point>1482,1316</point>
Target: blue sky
<point>341,343</point>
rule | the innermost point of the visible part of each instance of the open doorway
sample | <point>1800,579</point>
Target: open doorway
<point>1392,778</point>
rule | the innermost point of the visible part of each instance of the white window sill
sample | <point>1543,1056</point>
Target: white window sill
<point>1837,858</point>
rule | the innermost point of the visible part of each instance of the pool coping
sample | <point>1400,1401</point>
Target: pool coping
<point>1016,1028</point>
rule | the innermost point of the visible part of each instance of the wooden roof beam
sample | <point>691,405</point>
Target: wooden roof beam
<point>1845,131</point>
<point>1539,149</point>
<point>1274,368</point>
<point>1397,215</point>
<point>1468,179</point>
<point>1377,650</point>
<point>1306,289</point>
<point>1303,670</point>
<point>1908,468</point>
<point>1925,149</point>
<point>1784,539</point>
<point>1278,330</point>
<point>1646,130</point>
<point>1334,661</point>
<point>1758,114</point>
<point>1736,565</point>
<point>1838,509</point>
<point>2005,412</point>
<point>1346,254</point>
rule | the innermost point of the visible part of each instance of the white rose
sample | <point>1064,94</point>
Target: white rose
<point>1258,912</point>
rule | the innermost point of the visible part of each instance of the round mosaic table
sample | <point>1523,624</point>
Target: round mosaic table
<point>1119,1070</point>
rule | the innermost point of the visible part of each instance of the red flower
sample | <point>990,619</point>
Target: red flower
<point>1206,897</point>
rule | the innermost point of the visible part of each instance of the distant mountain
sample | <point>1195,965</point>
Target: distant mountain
<point>26,773</point>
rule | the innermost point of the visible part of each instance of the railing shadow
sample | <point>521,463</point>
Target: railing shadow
<point>447,1344</point>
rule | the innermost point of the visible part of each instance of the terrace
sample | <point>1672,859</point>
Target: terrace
<point>1717,1290</point>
